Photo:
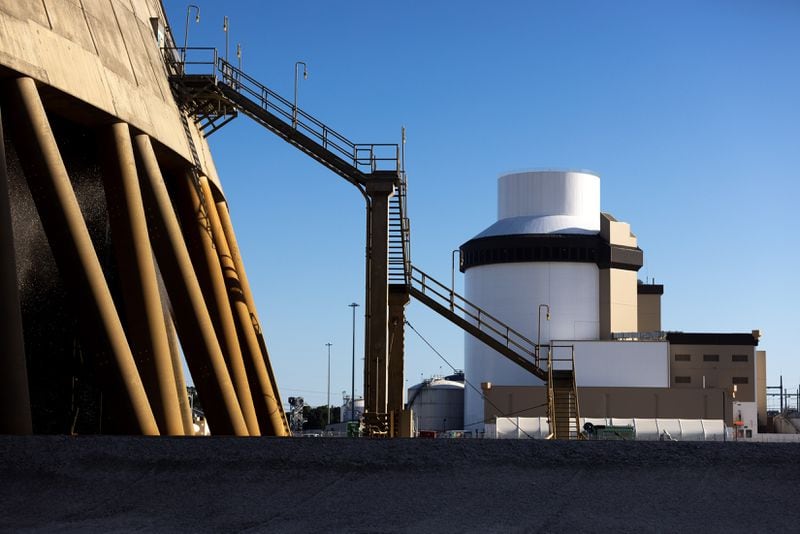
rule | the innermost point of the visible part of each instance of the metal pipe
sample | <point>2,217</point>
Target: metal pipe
<point>201,347</point>
<point>145,318</point>
<point>69,238</point>
<point>264,399</point>
<point>230,236</point>
<point>15,405</point>
<point>194,213</point>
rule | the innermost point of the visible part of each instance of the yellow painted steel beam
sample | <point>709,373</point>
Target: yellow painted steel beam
<point>230,236</point>
<point>193,212</point>
<point>265,401</point>
<point>145,324</point>
<point>15,405</point>
<point>69,238</point>
<point>195,329</point>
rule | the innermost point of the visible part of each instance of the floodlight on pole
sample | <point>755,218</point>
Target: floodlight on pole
<point>353,378</point>
<point>305,77</point>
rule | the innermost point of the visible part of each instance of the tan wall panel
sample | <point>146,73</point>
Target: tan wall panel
<point>26,10</point>
<point>67,19</point>
<point>717,374</point>
<point>624,301</point>
<point>110,45</point>
<point>649,313</point>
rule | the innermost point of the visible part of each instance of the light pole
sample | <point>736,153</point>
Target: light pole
<point>353,378</point>
<point>539,330</point>
<point>186,30</point>
<point>329,382</point>
<point>453,277</point>
<point>225,29</point>
<point>305,77</point>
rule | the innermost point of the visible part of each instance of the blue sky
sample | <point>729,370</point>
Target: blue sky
<point>688,111</point>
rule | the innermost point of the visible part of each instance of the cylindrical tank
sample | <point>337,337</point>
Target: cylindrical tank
<point>536,258</point>
<point>438,404</point>
<point>346,410</point>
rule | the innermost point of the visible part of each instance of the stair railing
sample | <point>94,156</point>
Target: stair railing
<point>479,317</point>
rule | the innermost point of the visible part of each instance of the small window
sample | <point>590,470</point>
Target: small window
<point>710,357</point>
<point>741,380</point>
<point>683,379</point>
<point>683,357</point>
<point>739,358</point>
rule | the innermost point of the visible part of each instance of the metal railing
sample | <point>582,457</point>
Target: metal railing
<point>566,363</point>
<point>365,157</point>
<point>479,317</point>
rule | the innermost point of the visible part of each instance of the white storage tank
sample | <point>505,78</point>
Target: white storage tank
<point>543,250</point>
<point>438,404</point>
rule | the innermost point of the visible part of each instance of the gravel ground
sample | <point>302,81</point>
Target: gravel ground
<point>63,484</point>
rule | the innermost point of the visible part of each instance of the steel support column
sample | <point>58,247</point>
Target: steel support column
<point>230,236</point>
<point>15,405</point>
<point>378,189</point>
<point>69,238</point>
<point>398,298</point>
<point>144,316</point>
<point>198,339</point>
<point>264,400</point>
<point>193,212</point>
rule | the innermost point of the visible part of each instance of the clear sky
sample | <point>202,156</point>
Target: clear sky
<point>688,110</point>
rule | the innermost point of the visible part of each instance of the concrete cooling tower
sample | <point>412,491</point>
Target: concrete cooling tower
<point>121,236</point>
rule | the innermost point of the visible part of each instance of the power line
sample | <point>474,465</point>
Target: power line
<point>478,391</point>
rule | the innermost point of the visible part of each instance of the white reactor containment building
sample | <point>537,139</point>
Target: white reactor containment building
<point>546,252</point>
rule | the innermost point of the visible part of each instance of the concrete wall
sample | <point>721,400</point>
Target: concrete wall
<point>620,363</point>
<point>105,55</point>
<point>761,386</point>
<point>648,313</point>
<point>618,299</point>
<point>618,302</point>
<point>718,374</point>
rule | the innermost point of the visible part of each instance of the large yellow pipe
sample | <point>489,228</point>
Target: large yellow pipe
<point>200,344</point>
<point>230,236</point>
<point>265,403</point>
<point>69,238</point>
<point>144,315</point>
<point>194,212</point>
<point>15,405</point>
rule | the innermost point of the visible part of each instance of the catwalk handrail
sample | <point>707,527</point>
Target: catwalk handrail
<point>483,320</point>
<point>365,157</point>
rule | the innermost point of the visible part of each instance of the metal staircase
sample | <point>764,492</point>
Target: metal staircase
<point>558,372</point>
<point>399,236</point>
<point>476,321</point>
<point>562,395</point>
<point>214,91</point>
